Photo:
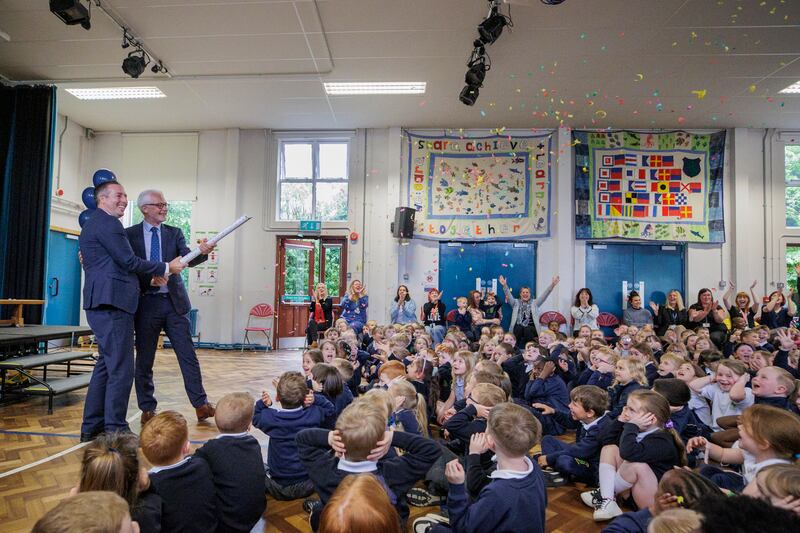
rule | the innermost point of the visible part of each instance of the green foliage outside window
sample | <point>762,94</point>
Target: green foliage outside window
<point>180,215</point>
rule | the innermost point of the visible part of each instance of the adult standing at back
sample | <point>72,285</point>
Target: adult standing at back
<point>110,298</point>
<point>584,311</point>
<point>403,310</point>
<point>706,313</point>
<point>354,306</point>
<point>524,310</point>
<point>320,314</point>
<point>164,304</point>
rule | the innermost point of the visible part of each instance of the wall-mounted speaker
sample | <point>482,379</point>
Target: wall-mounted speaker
<point>403,225</point>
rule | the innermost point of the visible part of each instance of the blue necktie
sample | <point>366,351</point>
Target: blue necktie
<point>155,245</point>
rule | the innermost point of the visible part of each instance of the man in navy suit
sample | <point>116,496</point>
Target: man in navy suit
<point>164,304</point>
<point>110,298</point>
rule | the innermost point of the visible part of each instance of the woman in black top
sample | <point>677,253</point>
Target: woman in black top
<point>671,313</point>
<point>434,317</point>
<point>742,305</point>
<point>706,313</point>
<point>320,313</point>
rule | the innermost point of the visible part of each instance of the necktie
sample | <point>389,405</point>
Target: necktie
<point>155,245</point>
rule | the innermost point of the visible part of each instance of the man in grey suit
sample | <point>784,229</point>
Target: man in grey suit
<point>110,298</point>
<point>164,304</point>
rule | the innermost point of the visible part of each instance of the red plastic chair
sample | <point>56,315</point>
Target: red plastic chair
<point>607,320</point>
<point>263,314</point>
<point>451,316</point>
<point>548,316</point>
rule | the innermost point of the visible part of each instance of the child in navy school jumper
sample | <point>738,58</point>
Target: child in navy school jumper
<point>519,367</point>
<point>785,345</point>
<point>683,419</point>
<point>286,477</point>
<point>359,445</point>
<point>236,465</point>
<point>646,450</point>
<point>326,380</point>
<point>515,500</point>
<point>579,461</point>
<point>642,352</point>
<point>463,318</point>
<point>410,410</point>
<point>184,482</point>
<point>548,389</point>
<point>628,376</point>
<point>472,419</point>
<point>605,361</point>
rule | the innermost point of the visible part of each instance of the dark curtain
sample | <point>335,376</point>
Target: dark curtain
<point>27,121</point>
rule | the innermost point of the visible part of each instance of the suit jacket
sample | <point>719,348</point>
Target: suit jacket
<point>173,244</point>
<point>111,265</point>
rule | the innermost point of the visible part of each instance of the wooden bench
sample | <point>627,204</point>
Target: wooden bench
<point>16,319</point>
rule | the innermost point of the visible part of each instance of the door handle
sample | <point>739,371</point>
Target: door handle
<point>54,284</point>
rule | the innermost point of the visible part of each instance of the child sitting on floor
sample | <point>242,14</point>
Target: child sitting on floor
<point>182,480</point>
<point>236,465</point>
<point>516,499</point>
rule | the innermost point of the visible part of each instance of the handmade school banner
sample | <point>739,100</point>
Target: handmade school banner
<point>471,187</point>
<point>649,185</point>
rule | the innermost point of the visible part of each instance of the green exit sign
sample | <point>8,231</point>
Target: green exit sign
<point>310,226</point>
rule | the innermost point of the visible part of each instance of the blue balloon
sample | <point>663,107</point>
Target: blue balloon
<point>88,198</point>
<point>84,216</point>
<point>103,175</point>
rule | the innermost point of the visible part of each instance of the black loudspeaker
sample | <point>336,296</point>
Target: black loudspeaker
<point>403,225</point>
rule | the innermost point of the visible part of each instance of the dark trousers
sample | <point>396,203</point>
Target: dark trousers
<point>524,334</point>
<point>110,386</point>
<point>724,479</point>
<point>155,313</point>
<point>314,329</point>
<point>575,469</point>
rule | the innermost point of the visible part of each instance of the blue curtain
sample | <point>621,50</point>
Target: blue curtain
<point>27,127</point>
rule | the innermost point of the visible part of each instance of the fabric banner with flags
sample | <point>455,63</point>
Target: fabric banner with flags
<point>476,187</point>
<point>662,186</point>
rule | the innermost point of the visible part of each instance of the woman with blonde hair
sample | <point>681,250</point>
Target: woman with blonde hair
<point>354,306</point>
<point>671,314</point>
<point>320,314</point>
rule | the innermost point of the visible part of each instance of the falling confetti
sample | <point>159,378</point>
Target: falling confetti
<point>639,77</point>
<point>700,94</point>
<point>600,113</point>
<point>753,88</point>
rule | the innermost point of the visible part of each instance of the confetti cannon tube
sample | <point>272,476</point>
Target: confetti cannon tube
<point>216,238</point>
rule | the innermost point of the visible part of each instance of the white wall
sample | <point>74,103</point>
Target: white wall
<point>236,174</point>
<point>71,155</point>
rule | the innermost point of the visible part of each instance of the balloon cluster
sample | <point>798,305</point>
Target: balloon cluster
<point>100,176</point>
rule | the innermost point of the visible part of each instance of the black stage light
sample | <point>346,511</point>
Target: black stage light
<point>491,28</point>
<point>134,64</point>
<point>476,74</point>
<point>71,12</point>
<point>469,95</point>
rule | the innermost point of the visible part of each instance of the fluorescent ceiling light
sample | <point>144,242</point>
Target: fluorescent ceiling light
<point>116,93</point>
<point>791,89</point>
<point>402,87</point>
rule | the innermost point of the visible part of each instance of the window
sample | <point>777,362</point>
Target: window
<point>792,259</point>
<point>180,216</point>
<point>792,167</point>
<point>312,180</point>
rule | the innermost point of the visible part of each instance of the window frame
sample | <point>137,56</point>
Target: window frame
<point>315,140</point>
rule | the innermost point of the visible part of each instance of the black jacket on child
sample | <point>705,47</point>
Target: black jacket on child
<point>505,505</point>
<point>517,374</point>
<point>398,473</point>
<point>618,397</point>
<point>657,449</point>
<point>238,470</point>
<point>187,490</point>
<point>147,511</point>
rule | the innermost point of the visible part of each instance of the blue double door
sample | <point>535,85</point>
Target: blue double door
<point>63,284</point>
<point>464,267</point>
<point>613,270</point>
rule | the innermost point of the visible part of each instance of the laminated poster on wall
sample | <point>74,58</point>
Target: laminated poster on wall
<point>211,275</point>
<point>467,185</point>
<point>207,290</point>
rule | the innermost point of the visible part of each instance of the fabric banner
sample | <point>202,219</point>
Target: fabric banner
<point>478,188</point>
<point>651,186</point>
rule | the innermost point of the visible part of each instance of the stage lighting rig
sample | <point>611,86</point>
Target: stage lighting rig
<point>492,26</point>
<point>479,63</point>
<point>135,63</point>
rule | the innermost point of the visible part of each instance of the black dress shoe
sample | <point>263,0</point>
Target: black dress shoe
<point>89,437</point>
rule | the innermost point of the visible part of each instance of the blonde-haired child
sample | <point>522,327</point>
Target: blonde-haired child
<point>410,413</point>
<point>604,360</point>
<point>461,368</point>
<point>629,375</point>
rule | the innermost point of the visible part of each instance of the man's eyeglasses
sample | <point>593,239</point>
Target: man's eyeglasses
<point>162,205</point>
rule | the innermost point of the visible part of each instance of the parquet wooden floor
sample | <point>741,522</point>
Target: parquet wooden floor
<point>28,435</point>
